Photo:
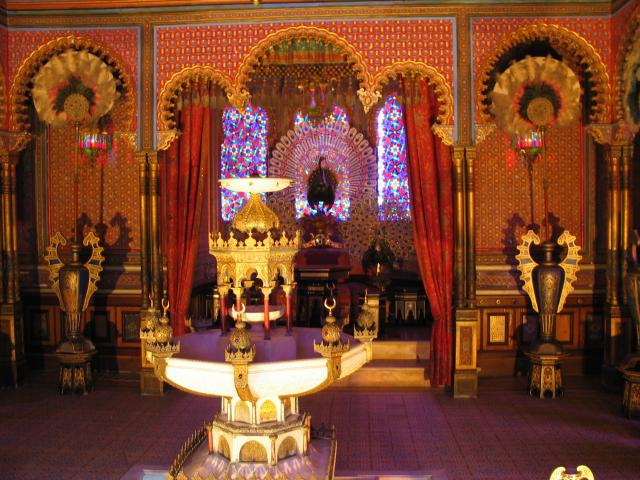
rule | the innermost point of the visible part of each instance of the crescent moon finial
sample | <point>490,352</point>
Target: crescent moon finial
<point>235,313</point>
<point>165,305</point>
<point>330,307</point>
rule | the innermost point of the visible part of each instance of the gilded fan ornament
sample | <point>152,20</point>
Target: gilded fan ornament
<point>533,93</point>
<point>73,87</point>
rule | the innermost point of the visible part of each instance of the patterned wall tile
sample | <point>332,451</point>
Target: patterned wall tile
<point>381,42</point>
<point>109,197</point>
<point>500,175</point>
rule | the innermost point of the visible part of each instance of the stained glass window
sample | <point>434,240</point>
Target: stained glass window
<point>243,153</point>
<point>335,160</point>
<point>393,174</point>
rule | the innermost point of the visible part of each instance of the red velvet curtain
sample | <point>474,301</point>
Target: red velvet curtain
<point>432,214</point>
<point>187,163</point>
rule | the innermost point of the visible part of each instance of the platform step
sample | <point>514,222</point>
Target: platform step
<point>388,374</point>
<point>401,349</point>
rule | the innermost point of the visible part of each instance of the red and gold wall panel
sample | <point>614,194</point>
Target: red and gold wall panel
<point>109,195</point>
<point>488,33</point>
<point>503,186</point>
<point>380,42</point>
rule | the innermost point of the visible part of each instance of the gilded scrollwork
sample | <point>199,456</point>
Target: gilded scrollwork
<point>164,138</point>
<point>483,131</point>
<point>435,79</point>
<point>620,133</point>
<point>180,82</point>
<point>22,85</point>
<point>577,51</point>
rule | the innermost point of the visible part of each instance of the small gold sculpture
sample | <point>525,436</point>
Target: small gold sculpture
<point>582,473</point>
<point>331,345</point>
<point>160,345</point>
<point>240,340</point>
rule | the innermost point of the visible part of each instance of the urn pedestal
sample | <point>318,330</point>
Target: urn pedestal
<point>75,284</point>
<point>76,351</point>
<point>547,283</point>
<point>630,367</point>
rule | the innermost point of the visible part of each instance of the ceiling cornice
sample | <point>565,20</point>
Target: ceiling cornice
<point>108,6</point>
<point>278,12</point>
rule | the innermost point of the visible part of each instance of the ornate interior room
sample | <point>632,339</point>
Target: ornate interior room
<point>332,239</point>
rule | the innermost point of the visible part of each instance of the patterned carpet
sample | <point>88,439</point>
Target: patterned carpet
<point>503,434</point>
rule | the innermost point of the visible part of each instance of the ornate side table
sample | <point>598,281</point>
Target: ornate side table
<point>631,396</point>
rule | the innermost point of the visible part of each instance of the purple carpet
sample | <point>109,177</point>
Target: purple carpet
<point>503,434</point>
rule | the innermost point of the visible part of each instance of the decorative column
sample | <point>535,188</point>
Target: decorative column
<point>460,237</point>
<point>155,239</point>
<point>266,291</point>
<point>288,289</point>
<point>465,376</point>
<point>12,359</point>
<point>144,229</point>
<point>470,157</point>
<point>613,316</point>
<point>150,384</point>
<point>626,214</point>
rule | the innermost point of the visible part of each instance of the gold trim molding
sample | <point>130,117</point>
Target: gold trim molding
<point>180,81</point>
<point>571,46</point>
<point>21,90</point>
<point>434,78</point>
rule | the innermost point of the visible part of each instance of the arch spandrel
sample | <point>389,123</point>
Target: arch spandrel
<point>627,81</point>
<point>437,81</point>
<point>180,81</point>
<point>573,47</point>
<point>21,90</point>
<point>351,55</point>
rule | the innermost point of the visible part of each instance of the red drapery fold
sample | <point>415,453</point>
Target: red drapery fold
<point>432,214</point>
<point>187,163</point>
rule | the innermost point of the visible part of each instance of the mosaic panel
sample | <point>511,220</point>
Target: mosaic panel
<point>121,41</point>
<point>500,174</point>
<point>393,171</point>
<point>487,33</point>
<point>109,196</point>
<point>381,42</point>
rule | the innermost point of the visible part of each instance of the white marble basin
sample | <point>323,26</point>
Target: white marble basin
<point>255,184</point>
<point>284,365</point>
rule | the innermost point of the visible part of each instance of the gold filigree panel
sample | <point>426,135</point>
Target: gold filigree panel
<point>108,199</point>
<point>504,207</point>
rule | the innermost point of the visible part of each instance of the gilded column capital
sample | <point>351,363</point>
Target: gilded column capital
<point>445,132</point>
<point>164,138</point>
<point>620,133</point>
<point>13,142</point>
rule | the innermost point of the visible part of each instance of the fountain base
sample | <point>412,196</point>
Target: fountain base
<point>319,462</point>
